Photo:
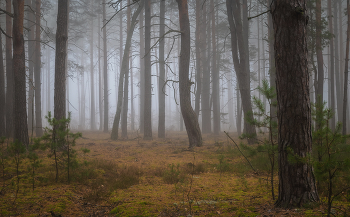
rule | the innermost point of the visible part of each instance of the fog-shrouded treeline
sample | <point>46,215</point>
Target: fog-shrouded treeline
<point>125,61</point>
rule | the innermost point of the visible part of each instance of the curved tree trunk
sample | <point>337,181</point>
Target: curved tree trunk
<point>19,72</point>
<point>296,180</point>
<point>189,116</point>
<point>123,71</point>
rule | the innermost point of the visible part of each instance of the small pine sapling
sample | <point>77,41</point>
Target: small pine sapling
<point>34,160</point>
<point>330,151</point>
<point>17,151</point>
<point>263,119</point>
<point>59,140</point>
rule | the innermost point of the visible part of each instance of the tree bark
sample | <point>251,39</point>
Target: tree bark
<point>9,74</point>
<point>100,78</point>
<point>123,72</point>
<point>240,58</point>
<point>2,92</point>
<point>161,94</point>
<point>19,72</point>
<point>346,72</point>
<point>296,180</point>
<point>37,71</point>
<point>60,60</point>
<point>188,114</point>
<point>148,83</point>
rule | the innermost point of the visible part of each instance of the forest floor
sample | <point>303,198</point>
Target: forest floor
<point>149,178</point>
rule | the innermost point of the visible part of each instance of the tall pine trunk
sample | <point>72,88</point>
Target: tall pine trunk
<point>19,72</point>
<point>296,180</point>
<point>148,83</point>
<point>2,92</point>
<point>60,60</point>
<point>92,80</point>
<point>105,78</point>
<point>37,71</point>
<point>161,88</point>
<point>9,74</point>
<point>346,72</point>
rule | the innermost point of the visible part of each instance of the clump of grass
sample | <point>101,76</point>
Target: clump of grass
<point>223,165</point>
<point>197,168</point>
<point>173,174</point>
<point>127,176</point>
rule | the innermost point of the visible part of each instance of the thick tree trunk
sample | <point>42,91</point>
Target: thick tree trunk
<point>346,72</point>
<point>19,72</point>
<point>161,94</point>
<point>105,78</point>
<point>37,71</point>
<point>60,60</point>
<point>148,83</point>
<point>123,71</point>
<point>92,80</point>
<point>215,75</point>
<point>205,100</point>
<point>9,74</point>
<point>296,180</point>
<point>2,93</point>
<point>240,58</point>
<point>189,116</point>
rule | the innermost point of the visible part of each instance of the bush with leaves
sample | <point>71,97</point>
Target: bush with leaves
<point>330,156</point>
<point>60,141</point>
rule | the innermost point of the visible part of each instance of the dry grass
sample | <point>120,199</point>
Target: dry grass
<point>149,178</point>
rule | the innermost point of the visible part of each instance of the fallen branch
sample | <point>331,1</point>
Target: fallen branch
<point>240,151</point>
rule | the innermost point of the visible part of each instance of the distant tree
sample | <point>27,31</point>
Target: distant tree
<point>296,179</point>
<point>123,72</point>
<point>215,74</point>
<point>199,51</point>
<point>205,98</point>
<point>31,57</point>
<point>161,94</point>
<point>19,72</point>
<point>142,72</point>
<point>37,70</point>
<point>105,78</point>
<point>9,74</point>
<point>189,116</point>
<point>148,83</point>
<point>60,60</point>
<point>240,58</point>
<point>92,80</point>
<point>2,92</point>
